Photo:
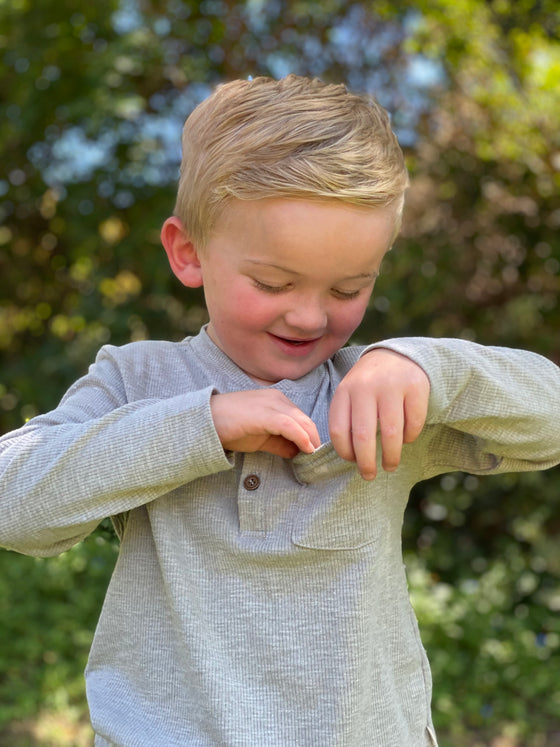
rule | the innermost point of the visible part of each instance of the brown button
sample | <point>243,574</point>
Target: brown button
<point>252,482</point>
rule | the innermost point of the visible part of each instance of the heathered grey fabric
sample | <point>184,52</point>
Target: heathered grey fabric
<point>272,617</point>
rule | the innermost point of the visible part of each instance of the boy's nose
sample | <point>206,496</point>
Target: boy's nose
<point>307,316</point>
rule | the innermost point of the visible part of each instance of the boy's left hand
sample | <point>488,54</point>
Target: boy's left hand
<point>383,387</point>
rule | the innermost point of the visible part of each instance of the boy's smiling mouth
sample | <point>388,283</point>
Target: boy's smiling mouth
<point>295,345</point>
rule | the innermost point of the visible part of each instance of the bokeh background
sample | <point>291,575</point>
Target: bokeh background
<point>92,100</point>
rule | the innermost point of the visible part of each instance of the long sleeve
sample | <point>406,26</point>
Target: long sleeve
<point>491,409</point>
<point>98,455</point>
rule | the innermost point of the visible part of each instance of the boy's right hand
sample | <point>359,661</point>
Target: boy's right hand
<point>263,420</point>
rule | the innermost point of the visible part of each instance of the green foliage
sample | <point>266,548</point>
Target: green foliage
<point>494,659</point>
<point>488,600</point>
<point>48,611</point>
<point>92,99</point>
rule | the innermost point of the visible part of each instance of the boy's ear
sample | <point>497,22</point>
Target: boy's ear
<point>181,253</point>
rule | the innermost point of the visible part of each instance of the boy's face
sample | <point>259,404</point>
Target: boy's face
<point>288,281</point>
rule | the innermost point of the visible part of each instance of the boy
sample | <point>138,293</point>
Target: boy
<point>259,597</point>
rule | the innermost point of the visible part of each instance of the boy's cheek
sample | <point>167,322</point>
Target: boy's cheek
<point>345,322</point>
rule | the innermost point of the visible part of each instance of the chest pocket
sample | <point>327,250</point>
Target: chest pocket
<point>337,508</point>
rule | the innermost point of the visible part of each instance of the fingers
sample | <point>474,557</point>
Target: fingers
<point>292,424</point>
<point>295,426</point>
<point>401,421</point>
<point>263,420</point>
<point>383,391</point>
<point>353,430</point>
<point>416,412</point>
<point>279,446</point>
<point>392,427</point>
<point>354,435</point>
<point>340,425</point>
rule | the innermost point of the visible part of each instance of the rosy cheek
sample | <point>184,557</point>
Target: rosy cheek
<point>252,308</point>
<point>346,321</point>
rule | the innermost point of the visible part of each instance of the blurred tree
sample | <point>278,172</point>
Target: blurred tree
<point>92,100</point>
<point>93,104</point>
<point>484,210</point>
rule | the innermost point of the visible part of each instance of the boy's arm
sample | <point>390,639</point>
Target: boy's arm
<point>490,408</point>
<point>98,455</point>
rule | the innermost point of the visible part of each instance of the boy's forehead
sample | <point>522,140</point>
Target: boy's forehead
<point>288,213</point>
<point>289,234</point>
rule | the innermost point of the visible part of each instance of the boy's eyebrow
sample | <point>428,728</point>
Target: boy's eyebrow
<point>359,276</point>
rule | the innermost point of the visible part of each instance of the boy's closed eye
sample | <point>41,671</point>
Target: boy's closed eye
<point>346,295</point>
<point>267,288</point>
<point>338,293</point>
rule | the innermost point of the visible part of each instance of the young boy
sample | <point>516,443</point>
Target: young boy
<point>259,597</point>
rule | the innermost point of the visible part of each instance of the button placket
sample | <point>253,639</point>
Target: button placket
<point>251,501</point>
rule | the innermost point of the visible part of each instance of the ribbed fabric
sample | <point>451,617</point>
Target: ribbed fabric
<point>277,615</point>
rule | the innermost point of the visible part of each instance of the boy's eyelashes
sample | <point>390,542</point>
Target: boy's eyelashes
<point>271,288</point>
<point>343,295</point>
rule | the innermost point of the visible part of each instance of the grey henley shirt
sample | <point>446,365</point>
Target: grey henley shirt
<point>257,601</point>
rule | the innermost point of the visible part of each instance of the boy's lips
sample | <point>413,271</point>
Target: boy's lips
<point>293,345</point>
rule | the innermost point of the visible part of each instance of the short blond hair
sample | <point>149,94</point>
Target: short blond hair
<point>297,138</point>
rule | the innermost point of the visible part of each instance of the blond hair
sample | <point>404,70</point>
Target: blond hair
<point>297,138</point>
